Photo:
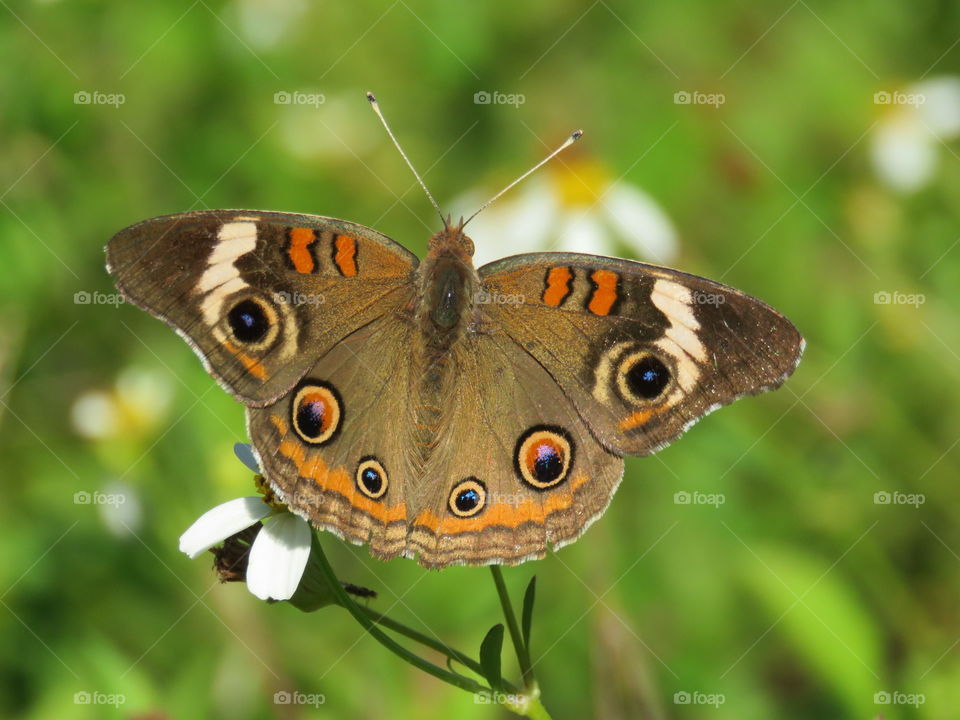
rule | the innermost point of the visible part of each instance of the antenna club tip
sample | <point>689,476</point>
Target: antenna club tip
<point>576,134</point>
<point>371,97</point>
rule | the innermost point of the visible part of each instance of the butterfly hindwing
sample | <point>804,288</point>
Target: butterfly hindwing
<point>469,474</point>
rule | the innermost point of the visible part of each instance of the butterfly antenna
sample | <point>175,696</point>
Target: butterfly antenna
<point>376,109</point>
<point>574,136</point>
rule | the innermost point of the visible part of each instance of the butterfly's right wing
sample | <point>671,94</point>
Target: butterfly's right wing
<point>259,296</point>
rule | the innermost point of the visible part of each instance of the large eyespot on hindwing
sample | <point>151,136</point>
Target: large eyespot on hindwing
<point>544,456</point>
<point>252,323</point>
<point>316,412</point>
<point>371,478</point>
<point>468,497</point>
<point>642,377</point>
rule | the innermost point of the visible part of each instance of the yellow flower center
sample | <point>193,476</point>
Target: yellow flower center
<point>269,496</point>
<point>578,181</point>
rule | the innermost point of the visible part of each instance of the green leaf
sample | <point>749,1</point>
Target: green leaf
<point>527,620</point>
<point>490,651</point>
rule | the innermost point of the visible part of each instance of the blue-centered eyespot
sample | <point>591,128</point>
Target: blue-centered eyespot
<point>544,456</point>
<point>316,412</point>
<point>642,377</point>
<point>253,322</point>
<point>468,497</point>
<point>371,478</point>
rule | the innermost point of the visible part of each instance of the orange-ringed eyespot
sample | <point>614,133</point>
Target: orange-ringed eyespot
<point>372,478</point>
<point>642,377</point>
<point>544,456</point>
<point>252,322</point>
<point>316,412</point>
<point>468,497</point>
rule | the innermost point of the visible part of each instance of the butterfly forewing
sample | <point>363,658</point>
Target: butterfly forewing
<point>642,351</point>
<point>258,295</point>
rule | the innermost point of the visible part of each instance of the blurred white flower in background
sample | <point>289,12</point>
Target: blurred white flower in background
<point>572,205</point>
<point>909,139</point>
<point>139,399</point>
<point>122,513</point>
<point>280,551</point>
<point>264,23</point>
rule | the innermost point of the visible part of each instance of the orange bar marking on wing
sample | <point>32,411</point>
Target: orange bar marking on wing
<point>558,286</point>
<point>605,294</point>
<point>300,241</point>
<point>336,480</point>
<point>345,255</point>
<point>253,366</point>
<point>502,514</point>
<point>640,417</point>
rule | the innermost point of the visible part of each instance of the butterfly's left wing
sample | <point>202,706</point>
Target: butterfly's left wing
<point>642,351</point>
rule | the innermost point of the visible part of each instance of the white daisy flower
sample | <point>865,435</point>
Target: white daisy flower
<point>574,206</point>
<point>280,551</point>
<point>907,143</point>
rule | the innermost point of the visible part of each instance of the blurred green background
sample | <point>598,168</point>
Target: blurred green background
<point>802,595</point>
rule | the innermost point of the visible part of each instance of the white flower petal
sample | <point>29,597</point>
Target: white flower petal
<point>515,225</point>
<point>581,231</point>
<point>244,453</point>
<point>221,522</point>
<point>278,557</point>
<point>903,152</point>
<point>940,108</point>
<point>641,222</point>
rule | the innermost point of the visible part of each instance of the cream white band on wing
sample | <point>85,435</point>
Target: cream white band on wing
<point>222,278</point>
<point>681,339</point>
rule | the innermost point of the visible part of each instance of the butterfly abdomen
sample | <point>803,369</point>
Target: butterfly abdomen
<point>445,305</point>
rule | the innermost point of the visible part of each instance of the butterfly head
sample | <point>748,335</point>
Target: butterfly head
<point>452,241</point>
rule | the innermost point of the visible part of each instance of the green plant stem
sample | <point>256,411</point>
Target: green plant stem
<point>460,681</point>
<point>419,637</point>
<point>523,654</point>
